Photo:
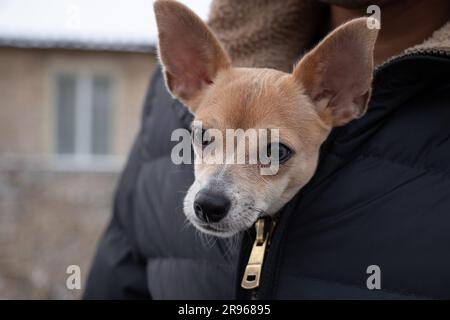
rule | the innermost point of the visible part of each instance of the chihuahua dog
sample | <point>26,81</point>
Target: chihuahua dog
<point>328,87</point>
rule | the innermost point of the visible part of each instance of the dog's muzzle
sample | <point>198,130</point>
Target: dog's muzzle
<point>210,206</point>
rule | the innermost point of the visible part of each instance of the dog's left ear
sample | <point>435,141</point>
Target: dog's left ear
<point>190,54</point>
<point>337,73</point>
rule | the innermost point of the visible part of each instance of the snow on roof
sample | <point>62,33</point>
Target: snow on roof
<point>127,25</point>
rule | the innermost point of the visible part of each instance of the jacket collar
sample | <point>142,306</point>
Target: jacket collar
<point>437,44</point>
<point>274,34</point>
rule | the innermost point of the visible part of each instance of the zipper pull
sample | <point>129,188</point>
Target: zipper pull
<point>253,270</point>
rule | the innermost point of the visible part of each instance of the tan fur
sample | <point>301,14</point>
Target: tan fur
<point>208,57</point>
<point>337,73</point>
<point>259,99</point>
<point>323,91</point>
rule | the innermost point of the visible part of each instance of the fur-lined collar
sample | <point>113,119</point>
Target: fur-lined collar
<point>274,34</point>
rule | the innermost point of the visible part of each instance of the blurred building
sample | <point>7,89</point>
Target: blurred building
<point>76,72</point>
<point>73,78</point>
<point>69,110</point>
<point>70,107</point>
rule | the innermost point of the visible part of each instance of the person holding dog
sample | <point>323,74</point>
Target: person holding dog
<point>371,223</point>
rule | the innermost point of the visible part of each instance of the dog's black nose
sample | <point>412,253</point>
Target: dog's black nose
<point>210,206</point>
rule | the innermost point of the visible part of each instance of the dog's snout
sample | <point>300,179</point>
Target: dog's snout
<point>211,206</point>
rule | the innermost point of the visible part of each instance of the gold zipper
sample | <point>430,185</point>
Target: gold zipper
<point>252,274</point>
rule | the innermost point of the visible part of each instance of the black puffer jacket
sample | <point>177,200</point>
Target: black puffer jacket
<point>381,196</point>
<point>148,250</point>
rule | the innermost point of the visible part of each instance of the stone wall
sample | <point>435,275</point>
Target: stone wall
<point>48,221</point>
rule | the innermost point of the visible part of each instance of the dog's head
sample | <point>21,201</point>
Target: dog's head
<point>328,87</point>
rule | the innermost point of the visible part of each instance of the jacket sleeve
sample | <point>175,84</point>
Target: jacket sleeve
<point>118,270</point>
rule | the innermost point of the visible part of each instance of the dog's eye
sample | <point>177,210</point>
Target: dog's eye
<point>284,152</point>
<point>200,137</point>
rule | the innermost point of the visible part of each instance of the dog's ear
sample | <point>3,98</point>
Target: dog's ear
<point>190,54</point>
<point>337,73</point>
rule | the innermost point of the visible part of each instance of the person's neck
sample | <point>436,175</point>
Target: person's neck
<point>403,23</point>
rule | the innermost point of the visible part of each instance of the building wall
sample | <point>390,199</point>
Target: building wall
<point>27,101</point>
<point>51,218</point>
<point>23,100</point>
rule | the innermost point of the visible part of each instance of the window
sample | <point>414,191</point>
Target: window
<point>84,106</point>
